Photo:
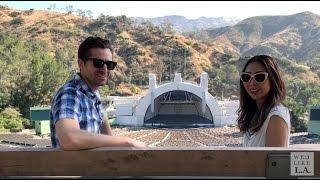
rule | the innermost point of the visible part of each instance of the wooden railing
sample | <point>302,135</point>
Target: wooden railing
<point>153,162</point>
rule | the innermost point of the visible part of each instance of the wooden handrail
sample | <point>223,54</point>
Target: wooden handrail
<point>136,162</point>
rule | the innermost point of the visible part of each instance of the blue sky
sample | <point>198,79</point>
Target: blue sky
<point>189,9</point>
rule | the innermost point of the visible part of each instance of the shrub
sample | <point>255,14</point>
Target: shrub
<point>14,14</point>
<point>27,124</point>
<point>2,122</point>
<point>3,130</point>
<point>14,125</point>
<point>298,124</point>
<point>135,90</point>
<point>10,119</point>
<point>10,113</point>
<point>17,21</point>
<point>28,12</point>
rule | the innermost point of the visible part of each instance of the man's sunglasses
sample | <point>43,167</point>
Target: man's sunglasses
<point>259,77</point>
<point>99,63</point>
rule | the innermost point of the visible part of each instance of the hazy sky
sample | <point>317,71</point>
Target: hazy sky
<point>188,9</point>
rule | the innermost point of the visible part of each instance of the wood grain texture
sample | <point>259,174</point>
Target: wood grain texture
<point>240,162</point>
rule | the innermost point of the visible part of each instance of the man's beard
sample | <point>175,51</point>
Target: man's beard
<point>106,83</point>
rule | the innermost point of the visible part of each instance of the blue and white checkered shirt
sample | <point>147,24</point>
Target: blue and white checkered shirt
<point>76,100</point>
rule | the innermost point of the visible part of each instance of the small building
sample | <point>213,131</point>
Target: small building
<point>314,120</point>
<point>40,115</point>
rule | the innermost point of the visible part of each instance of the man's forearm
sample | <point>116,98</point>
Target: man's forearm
<point>71,137</point>
<point>80,139</point>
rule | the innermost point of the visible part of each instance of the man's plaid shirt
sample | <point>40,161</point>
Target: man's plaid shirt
<point>76,100</point>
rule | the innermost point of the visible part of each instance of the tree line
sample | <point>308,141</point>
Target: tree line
<point>29,76</point>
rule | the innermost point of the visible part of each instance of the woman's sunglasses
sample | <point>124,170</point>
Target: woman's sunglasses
<point>99,63</point>
<point>259,77</point>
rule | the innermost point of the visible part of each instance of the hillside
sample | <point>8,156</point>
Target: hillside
<point>294,37</point>
<point>45,25</point>
<point>38,52</point>
<point>138,49</point>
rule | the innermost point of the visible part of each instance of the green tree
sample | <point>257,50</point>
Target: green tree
<point>29,75</point>
<point>12,54</point>
<point>298,115</point>
<point>45,76</point>
<point>159,68</point>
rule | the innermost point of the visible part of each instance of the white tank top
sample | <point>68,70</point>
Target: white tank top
<point>258,139</point>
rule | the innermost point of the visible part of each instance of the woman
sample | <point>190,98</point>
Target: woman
<point>263,120</point>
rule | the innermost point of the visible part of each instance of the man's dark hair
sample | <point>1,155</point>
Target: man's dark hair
<point>92,42</point>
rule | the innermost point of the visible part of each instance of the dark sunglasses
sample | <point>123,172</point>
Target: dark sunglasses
<point>259,77</point>
<point>99,63</point>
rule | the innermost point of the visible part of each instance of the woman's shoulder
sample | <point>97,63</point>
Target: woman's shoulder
<point>281,111</point>
<point>279,107</point>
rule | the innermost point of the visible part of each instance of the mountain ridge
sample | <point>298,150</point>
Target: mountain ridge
<point>182,24</point>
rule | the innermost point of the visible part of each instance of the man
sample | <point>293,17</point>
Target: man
<point>76,118</point>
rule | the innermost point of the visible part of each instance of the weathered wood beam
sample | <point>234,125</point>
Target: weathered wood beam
<point>167,161</point>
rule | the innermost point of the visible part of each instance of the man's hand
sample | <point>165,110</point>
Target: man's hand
<point>136,143</point>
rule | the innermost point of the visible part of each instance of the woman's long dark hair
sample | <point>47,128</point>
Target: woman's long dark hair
<point>251,119</point>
